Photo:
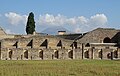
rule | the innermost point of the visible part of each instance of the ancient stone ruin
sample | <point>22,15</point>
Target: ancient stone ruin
<point>101,43</point>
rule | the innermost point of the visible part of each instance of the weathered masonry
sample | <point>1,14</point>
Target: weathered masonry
<point>97,44</point>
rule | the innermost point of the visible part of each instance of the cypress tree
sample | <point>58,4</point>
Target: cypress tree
<point>30,27</point>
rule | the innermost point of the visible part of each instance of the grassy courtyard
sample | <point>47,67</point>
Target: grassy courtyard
<point>60,68</point>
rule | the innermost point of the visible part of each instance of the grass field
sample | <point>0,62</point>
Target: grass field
<point>60,68</point>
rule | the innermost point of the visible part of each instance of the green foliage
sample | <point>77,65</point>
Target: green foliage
<point>30,27</point>
<point>60,68</point>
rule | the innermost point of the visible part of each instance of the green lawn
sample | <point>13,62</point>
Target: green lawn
<point>60,68</point>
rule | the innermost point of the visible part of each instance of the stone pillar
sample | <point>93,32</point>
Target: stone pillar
<point>101,53</point>
<point>78,53</point>
<point>91,53</point>
<point>74,51</point>
<point>94,53</point>
<point>118,53</point>
<point>82,51</point>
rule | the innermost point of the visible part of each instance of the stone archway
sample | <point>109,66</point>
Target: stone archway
<point>70,54</point>
<point>100,54</point>
<point>56,54</point>
<point>86,54</point>
<point>26,54</point>
<point>109,55</point>
<point>107,40</point>
<point>75,45</point>
<point>45,43</point>
<point>41,54</point>
<point>10,54</point>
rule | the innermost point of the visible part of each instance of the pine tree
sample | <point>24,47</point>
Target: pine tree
<point>30,27</point>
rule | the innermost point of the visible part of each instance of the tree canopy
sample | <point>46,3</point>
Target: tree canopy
<point>30,27</point>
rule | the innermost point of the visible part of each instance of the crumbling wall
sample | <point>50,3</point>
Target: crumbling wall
<point>98,35</point>
<point>52,47</point>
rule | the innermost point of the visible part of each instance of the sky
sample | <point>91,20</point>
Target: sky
<point>75,15</point>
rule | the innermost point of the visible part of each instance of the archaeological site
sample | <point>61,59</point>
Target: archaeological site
<point>100,43</point>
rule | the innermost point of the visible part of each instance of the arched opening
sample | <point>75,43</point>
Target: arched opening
<point>41,54</point>
<point>100,54</point>
<point>87,45</point>
<point>10,54</point>
<point>26,54</point>
<point>86,54</point>
<point>109,55</point>
<point>107,40</point>
<point>30,44</point>
<point>45,44</point>
<point>59,44</point>
<point>115,54</point>
<point>16,44</point>
<point>56,54</point>
<point>75,45</point>
<point>70,54</point>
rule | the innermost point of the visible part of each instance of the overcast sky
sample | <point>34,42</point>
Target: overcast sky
<point>74,15</point>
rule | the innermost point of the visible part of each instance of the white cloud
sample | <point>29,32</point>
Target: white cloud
<point>82,20</point>
<point>8,31</point>
<point>98,20</point>
<point>15,18</point>
<point>71,21</point>
<point>78,24</point>
<point>51,19</point>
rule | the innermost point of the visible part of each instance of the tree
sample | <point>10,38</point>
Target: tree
<point>30,27</point>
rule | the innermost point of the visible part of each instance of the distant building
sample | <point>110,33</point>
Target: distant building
<point>61,32</point>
